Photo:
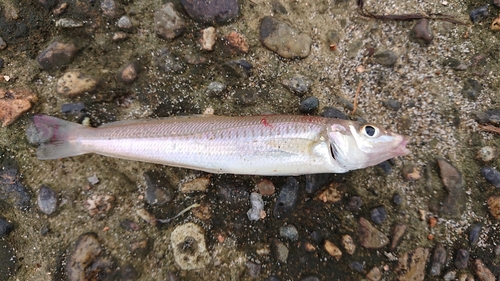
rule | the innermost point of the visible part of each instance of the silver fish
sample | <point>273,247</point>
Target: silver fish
<point>253,145</point>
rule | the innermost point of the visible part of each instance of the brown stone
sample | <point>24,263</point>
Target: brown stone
<point>482,272</point>
<point>129,73</point>
<point>237,42</point>
<point>370,237</point>
<point>198,184</point>
<point>333,250</point>
<point>412,265</point>
<point>13,103</point>
<point>494,206</point>
<point>331,194</point>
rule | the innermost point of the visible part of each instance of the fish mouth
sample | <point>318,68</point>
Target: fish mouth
<point>401,149</point>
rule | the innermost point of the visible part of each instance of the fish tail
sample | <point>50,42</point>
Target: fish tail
<point>55,136</point>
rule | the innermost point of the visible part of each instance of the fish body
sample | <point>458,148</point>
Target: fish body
<point>252,145</point>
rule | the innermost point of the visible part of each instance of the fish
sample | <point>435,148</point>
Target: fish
<point>266,145</point>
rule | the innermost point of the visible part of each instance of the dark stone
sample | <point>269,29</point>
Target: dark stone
<point>392,104</point>
<point>219,11</point>
<point>386,166</point>
<point>461,259</point>
<point>128,273</point>
<point>290,232</point>
<point>239,68</point>
<point>386,58</point>
<point>453,204</point>
<point>491,175</point>
<point>454,64</point>
<point>471,89</point>
<point>5,227</point>
<point>73,107</point>
<point>1,63</point>
<point>287,198</point>
<point>278,7</point>
<point>110,8</point>
<point>474,233</point>
<point>421,32</point>
<point>397,199</point>
<point>356,266</point>
<point>354,204</point>
<point>280,250</point>
<point>491,116</point>
<point>309,105</point>
<point>47,200</point>
<point>253,269</point>
<point>158,189</point>
<point>58,54</point>
<point>310,278</point>
<point>245,96</point>
<point>496,3</point>
<point>318,237</point>
<point>11,189</point>
<point>8,261</point>
<point>168,22</point>
<point>316,181</point>
<point>478,14</point>
<point>438,260</point>
<point>168,63</point>
<point>378,214</point>
<point>331,112</point>
<point>233,195</point>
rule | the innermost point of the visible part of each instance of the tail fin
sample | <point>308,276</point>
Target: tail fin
<point>55,136</point>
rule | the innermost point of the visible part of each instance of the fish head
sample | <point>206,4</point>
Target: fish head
<point>356,146</point>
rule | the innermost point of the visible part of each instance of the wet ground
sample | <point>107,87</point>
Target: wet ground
<point>431,93</point>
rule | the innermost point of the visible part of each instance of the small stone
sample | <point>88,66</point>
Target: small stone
<point>461,259</point>
<point>266,187</point>
<point>438,260</point>
<point>332,194</point>
<point>194,185</point>
<point>392,104</point>
<point>287,198</point>
<point>140,247</point>
<point>398,231</point>
<point>254,214</point>
<point>74,83</point>
<point>119,36</point>
<point>58,54</point>
<point>158,189</point>
<point>410,173</point>
<point>253,269</point>
<point>316,181</point>
<point>397,199</point>
<point>356,266</point>
<point>207,38</point>
<point>147,217</point>
<point>454,64</point>
<point>13,103</point>
<point>93,180</point>
<point>129,73</point>
<point>454,203</point>
<point>471,89</point>
<point>5,227</point>
<point>166,62</point>
<point>214,11</point>
<point>370,237</point>
<point>378,215</point>
<point>482,271</point>
<point>487,153</point>
<point>309,105</point>
<point>73,107</point>
<point>318,237</point>
<point>491,175</point>
<point>60,9</point>
<point>283,39</point>
<point>3,45</point>
<point>412,265</point>
<point>8,261</point>
<point>215,89</point>
<point>47,200</point>
<point>478,14</point>
<point>231,194</point>
<point>298,84</point>
<point>495,25</point>
<point>86,251</point>
<point>348,244</point>
<point>99,204</point>
<point>450,276</point>
<point>109,8</point>
<point>354,204</point>
<point>203,212</point>
<point>290,232</point>
<point>189,248</point>
<point>68,23</point>
<point>236,42</point>
<point>386,166</point>
<point>374,274</point>
<point>168,23</point>
<point>124,23</point>
<point>278,7</point>
<point>474,233</point>
<point>333,250</point>
<point>279,250</point>
<point>386,58</point>
<point>11,189</point>
<point>129,225</point>
<point>421,32</point>
<point>238,68</point>
<point>330,112</point>
<point>494,206</point>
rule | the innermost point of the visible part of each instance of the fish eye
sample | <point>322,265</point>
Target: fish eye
<point>370,131</point>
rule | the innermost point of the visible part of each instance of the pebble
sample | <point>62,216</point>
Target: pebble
<point>491,116</point>
<point>214,11</point>
<point>392,104</point>
<point>397,199</point>
<point>374,274</point>
<point>397,233</point>
<point>8,261</point>
<point>189,248</point>
<point>438,260</point>
<point>99,204</point>
<point>75,83</point>
<point>60,9</point>
<point>356,266</point>
<point>93,180</point>
<point>386,58</point>
<point>494,206</point>
<point>85,254</point>
<point>474,234</point>
<point>124,23</point>
<point>410,172</point>
<point>109,8</point>
<point>283,39</point>
<point>266,187</point>
<point>318,237</point>
<point>386,166</point>
<point>378,214</point>
<point>147,216</point>
<point>482,271</point>
<point>140,247</point>
<point>330,112</point>
<point>238,68</point>
<point>68,23</point>
<point>253,269</point>
<point>73,107</point>
<point>13,103</point>
<point>298,84</point>
<point>158,189</point>
<point>454,203</point>
<point>412,265</point>
<point>5,227</point>
<point>236,42</point>
<point>333,250</point>
<point>479,14</point>
<point>449,276</point>
<point>461,259</point>
<point>370,237</point>
<point>354,204</point>
<point>287,198</point>
<point>332,194</point>
<point>255,213</point>
<point>495,25</point>
<point>11,189</point>
<point>309,105</point>
<point>58,54</point>
<point>203,212</point>
<point>198,184</point>
<point>421,32</point>
<point>119,36</point>
<point>47,200</point>
<point>166,62</point>
<point>455,64</point>
<point>3,45</point>
<point>491,175</point>
<point>215,89</point>
<point>290,232</point>
<point>168,23</point>
<point>129,225</point>
<point>129,73</point>
<point>348,243</point>
<point>207,39</point>
<point>471,88</point>
<point>487,153</point>
<point>231,194</point>
<point>316,181</point>
<point>279,250</point>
